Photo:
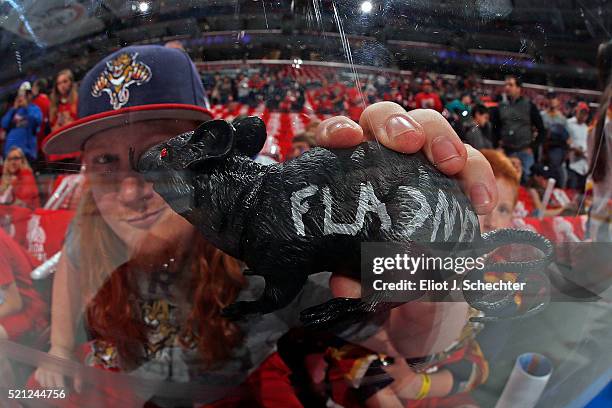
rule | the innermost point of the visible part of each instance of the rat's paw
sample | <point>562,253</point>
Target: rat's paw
<point>334,312</point>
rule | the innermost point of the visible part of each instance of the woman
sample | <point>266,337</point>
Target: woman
<point>148,285</point>
<point>18,185</point>
<point>63,110</point>
<point>64,100</point>
<point>158,291</point>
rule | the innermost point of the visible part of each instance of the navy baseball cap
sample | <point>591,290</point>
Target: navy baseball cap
<point>133,84</point>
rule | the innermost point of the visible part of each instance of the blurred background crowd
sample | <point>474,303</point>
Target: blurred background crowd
<point>551,138</point>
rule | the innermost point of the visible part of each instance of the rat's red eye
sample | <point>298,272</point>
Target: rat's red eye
<point>163,153</point>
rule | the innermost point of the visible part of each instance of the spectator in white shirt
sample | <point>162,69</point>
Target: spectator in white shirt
<point>578,131</point>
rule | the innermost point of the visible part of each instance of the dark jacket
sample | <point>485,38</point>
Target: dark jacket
<point>513,122</point>
<point>477,137</point>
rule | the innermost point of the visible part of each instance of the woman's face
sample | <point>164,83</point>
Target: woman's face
<point>136,213</point>
<point>501,216</point>
<point>63,84</point>
<point>15,160</point>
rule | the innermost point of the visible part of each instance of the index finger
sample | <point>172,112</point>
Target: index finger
<point>426,129</point>
<point>409,132</point>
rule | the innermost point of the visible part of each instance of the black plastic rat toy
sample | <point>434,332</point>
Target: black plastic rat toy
<point>311,214</point>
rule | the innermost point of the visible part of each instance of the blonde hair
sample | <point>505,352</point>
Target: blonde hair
<point>6,177</point>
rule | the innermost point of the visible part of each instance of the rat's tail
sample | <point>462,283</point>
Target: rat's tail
<point>499,238</point>
<point>493,304</point>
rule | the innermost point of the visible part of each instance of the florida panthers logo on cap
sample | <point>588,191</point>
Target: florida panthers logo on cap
<point>118,75</point>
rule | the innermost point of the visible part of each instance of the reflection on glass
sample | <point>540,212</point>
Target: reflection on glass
<point>109,292</point>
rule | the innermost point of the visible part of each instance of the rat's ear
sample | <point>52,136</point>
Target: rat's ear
<point>250,135</point>
<point>215,139</point>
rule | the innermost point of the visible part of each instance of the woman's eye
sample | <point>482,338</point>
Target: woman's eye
<point>104,159</point>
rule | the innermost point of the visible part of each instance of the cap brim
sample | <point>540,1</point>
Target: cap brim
<point>71,138</point>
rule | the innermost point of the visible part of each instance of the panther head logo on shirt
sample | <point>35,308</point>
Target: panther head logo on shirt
<point>118,75</point>
<point>157,315</point>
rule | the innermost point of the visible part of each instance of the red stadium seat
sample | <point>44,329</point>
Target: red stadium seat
<point>557,229</point>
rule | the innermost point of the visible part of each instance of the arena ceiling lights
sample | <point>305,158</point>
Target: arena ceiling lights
<point>366,7</point>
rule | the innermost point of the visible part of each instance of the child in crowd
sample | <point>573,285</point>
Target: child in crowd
<point>301,143</point>
<point>425,355</point>
<point>507,178</point>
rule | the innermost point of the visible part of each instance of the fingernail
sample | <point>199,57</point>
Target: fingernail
<point>443,150</point>
<point>479,195</point>
<point>398,125</point>
<point>338,125</point>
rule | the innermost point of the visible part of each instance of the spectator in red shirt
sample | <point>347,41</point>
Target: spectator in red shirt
<point>427,98</point>
<point>64,100</point>
<point>22,311</point>
<point>256,83</point>
<point>63,107</point>
<point>325,105</point>
<point>356,103</point>
<point>18,185</point>
<point>40,99</point>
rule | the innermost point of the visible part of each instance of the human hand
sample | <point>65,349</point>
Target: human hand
<point>48,378</point>
<point>20,102</point>
<point>316,367</point>
<point>410,132</point>
<point>406,382</point>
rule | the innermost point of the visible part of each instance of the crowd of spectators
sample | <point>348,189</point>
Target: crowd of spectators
<point>527,141</point>
<point>545,132</point>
